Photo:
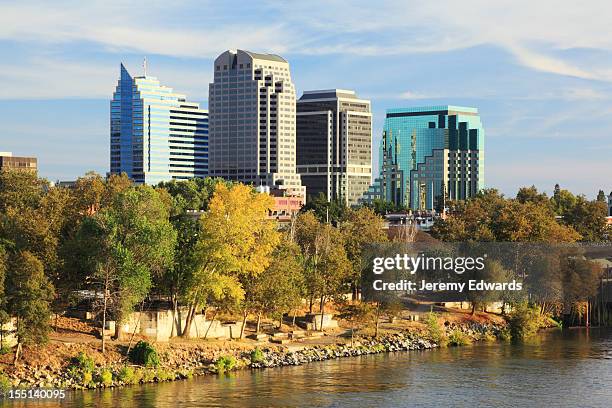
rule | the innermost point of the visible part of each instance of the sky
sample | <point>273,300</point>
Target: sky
<point>540,72</point>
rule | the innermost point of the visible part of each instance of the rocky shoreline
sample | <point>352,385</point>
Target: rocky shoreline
<point>202,361</point>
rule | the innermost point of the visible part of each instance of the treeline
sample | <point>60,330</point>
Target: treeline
<point>560,277</point>
<point>209,245</point>
<point>203,244</point>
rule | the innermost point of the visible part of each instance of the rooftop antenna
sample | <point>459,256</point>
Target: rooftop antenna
<point>144,66</point>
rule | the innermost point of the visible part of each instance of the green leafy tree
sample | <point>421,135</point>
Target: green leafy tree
<point>130,242</point>
<point>327,267</point>
<point>360,228</point>
<point>325,211</point>
<point>601,196</point>
<point>29,295</point>
<point>279,288</point>
<point>588,218</point>
<point>562,200</point>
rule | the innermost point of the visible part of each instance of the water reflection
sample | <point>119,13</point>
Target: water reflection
<point>571,368</point>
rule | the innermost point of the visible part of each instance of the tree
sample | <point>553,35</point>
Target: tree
<point>588,218</point>
<point>279,288</point>
<point>29,294</point>
<point>532,195</point>
<point>327,267</point>
<point>325,211</point>
<point>129,242</point>
<point>236,242</point>
<point>601,196</point>
<point>562,200</point>
<point>185,198</point>
<point>360,228</point>
<point>490,217</point>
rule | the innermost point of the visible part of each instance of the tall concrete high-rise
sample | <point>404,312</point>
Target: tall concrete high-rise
<point>334,144</point>
<point>156,134</point>
<point>429,155</point>
<point>252,121</point>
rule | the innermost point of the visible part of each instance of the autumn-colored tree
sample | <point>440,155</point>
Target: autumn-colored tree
<point>236,242</point>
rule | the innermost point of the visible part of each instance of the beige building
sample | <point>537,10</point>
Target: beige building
<point>334,144</point>
<point>8,161</point>
<point>252,121</point>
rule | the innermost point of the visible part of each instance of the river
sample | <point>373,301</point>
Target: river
<point>572,368</point>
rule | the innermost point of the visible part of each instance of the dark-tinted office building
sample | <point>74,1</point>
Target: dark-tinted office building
<point>334,144</point>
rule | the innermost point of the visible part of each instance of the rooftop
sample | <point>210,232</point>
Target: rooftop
<point>267,57</point>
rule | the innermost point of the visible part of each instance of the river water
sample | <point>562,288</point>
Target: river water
<point>572,368</point>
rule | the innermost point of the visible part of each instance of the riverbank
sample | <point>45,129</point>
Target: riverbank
<point>185,360</point>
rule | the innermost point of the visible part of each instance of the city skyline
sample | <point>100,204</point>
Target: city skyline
<point>542,94</point>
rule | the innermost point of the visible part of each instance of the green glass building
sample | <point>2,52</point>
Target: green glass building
<point>429,155</point>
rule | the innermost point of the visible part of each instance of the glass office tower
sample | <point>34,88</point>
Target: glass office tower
<point>436,151</point>
<point>156,135</point>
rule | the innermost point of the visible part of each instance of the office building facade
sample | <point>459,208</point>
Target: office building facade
<point>252,122</point>
<point>334,144</point>
<point>10,162</point>
<point>156,134</point>
<point>437,152</point>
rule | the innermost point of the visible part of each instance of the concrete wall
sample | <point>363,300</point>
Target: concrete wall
<point>161,325</point>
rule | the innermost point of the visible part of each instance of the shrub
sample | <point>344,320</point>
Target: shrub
<point>144,354</point>
<point>257,356</point>
<point>87,378</point>
<point>5,349</point>
<point>435,331</point>
<point>164,375</point>
<point>138,374</point>
<point>188,374</point>
<point>126,375</point>
<point>83,362</point>
<point>458,338</point>
<point>504,334</point>
<point>5,384</point>
<point>106,377</point>
<point>148,375</point>
<point>225,363</point>
<point>524,321</point>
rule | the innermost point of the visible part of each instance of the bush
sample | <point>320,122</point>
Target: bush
<point>87,378</point>
<point>435,331</point>
<point>83,362</point>
<point>225,363</point>
<point>164,375</point>
<point>106,377</point>
<point>5,349</point>
<point>505,335</point>
<point>257,356</point>
<point>524,321</point>
<point>126,375</point>
<point>138,374</point>
<point>5,384</point>
<point>148,375</point>
<point>144,354</point>
<point>458,338</point>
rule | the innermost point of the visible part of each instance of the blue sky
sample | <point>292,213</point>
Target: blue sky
<point>540,72</point>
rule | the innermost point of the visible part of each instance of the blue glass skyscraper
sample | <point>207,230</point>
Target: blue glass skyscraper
<point>156,135</point>
<point>429,155</point>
